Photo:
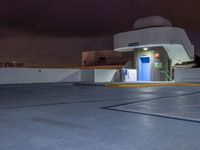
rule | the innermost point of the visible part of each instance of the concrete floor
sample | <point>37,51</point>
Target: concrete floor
<point>72,117</point>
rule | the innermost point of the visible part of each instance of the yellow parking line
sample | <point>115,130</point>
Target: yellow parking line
<point>141,85</point>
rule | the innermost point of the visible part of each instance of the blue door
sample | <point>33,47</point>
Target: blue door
<point>144,68</point>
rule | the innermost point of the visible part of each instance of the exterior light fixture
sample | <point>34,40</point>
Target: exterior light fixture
<point>145,48</point>
<point>179,62</point>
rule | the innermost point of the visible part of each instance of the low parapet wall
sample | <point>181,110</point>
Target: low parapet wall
<point>37,75</point>
<point>187,75</point>
<point>99,75</point>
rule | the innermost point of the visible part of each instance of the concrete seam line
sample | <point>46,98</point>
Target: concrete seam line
<point>155,115</point>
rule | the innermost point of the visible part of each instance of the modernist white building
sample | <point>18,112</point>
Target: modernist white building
<point>157,48</point>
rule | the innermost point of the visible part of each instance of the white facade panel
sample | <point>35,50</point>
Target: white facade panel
<point>129,75</point>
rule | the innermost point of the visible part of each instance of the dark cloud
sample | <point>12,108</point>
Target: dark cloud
<point>92,17</point>
<point>52,33</point>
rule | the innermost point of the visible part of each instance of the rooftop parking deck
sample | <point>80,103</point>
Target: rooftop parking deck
<point>65,116</point>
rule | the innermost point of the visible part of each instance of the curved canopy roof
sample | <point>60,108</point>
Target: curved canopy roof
<point>174,40</point>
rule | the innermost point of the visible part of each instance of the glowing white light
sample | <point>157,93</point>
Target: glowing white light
<point>145,48</point>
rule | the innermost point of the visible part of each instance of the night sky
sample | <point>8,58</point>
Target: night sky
<point>34,30</point>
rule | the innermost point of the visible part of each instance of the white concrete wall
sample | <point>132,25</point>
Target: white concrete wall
<point>129,75</point>
<point>187,75</point>
<point>87,75</point>
<point>104,75</point>
<point>36,75</point>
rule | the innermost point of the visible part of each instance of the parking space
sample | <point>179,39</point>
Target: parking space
<point>70,117</point>
<point>185,107</point>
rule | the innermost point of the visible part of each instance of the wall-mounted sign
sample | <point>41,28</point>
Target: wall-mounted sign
<point>134,44</point>
<point>158,65</point>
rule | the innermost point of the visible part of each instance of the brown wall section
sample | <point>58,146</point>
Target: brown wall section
<point>105,57</point>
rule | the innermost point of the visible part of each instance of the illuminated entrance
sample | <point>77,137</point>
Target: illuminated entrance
<point>155,54</point>
<point>144,68</point>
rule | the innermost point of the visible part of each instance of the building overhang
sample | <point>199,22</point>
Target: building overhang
<point>174,40</point>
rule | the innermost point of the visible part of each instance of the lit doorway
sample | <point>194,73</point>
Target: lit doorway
<point>144,68</point>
